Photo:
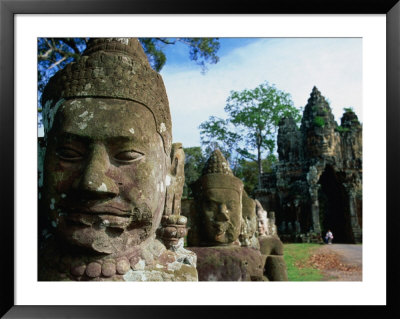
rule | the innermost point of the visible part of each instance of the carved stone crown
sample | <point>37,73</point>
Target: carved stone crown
<point>217,164</point>
<point>113,68</point>
<point>217,173</point>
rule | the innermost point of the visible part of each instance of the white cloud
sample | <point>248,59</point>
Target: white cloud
<point>294,65</point>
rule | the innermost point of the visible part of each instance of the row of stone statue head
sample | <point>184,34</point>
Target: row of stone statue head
<point>222,212</point>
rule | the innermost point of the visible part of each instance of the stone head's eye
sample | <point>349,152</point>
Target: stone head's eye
<point>128,156</point>
<point>210,205</point>
<point>69,154</point>
<point>231,205</point>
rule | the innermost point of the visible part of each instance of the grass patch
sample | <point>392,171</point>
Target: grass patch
<point>295,256</point>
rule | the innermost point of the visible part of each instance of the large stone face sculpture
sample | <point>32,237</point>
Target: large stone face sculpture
<point>219,197</point>
<point>223,222</point>
<point>108,169</point>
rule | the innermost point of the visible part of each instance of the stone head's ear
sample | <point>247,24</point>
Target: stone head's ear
<point>173,226</point>
<point>177,161</point>
<point>175,181</point>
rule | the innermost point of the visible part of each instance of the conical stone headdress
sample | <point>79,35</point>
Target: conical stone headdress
<point>217,174</point>
<point>217,164</point>
<point>111,68</point>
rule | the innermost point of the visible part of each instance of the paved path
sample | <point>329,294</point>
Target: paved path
<point>348,255</point>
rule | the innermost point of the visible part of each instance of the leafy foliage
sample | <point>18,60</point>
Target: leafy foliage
<point>348,109</point>
<point>251,126</point>
<point>194,163</point>
<point>319,121</point>
<point>201,50</point>
<point>218,133</point>
<point>342,129</point>
<point>54,54</point>
<point>247,171</point>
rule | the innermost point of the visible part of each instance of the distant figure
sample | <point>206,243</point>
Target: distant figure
<point>329,237</point>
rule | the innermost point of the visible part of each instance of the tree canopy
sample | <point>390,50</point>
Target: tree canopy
<point>251,126</point>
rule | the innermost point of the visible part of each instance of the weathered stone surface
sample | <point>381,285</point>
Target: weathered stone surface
<point>123,266</point>
<point>247,235</point>
<point>93,270</point>
<point>289,141</point>
<point>230,263</point>
<point>270,245</point>
<point>110,171</point>
<point>275,268</point>
<point>317,184</point>
<point>108,269</point>
<point>78,270</point>
<point>176,265</point>
<point>155,263</point>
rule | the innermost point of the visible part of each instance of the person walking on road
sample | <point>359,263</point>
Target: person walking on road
<point>329,237</point>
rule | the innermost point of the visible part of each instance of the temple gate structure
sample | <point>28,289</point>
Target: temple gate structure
<point>317,183</point>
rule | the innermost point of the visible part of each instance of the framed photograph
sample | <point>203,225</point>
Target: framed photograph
<point>375,23</point>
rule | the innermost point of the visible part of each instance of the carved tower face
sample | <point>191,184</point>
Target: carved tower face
<point>318,126</point>
<point>321,143</point>
<point>105,172</point>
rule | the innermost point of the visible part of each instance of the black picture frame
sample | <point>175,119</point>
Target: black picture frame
<point>8,10</point>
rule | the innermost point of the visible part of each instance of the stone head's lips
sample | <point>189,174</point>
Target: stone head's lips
<point>221,228</point>
<point>104,219</point>
<point>106,209</point>
<point>107,215</point>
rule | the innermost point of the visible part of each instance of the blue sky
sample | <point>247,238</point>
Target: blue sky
<point>293,65</point>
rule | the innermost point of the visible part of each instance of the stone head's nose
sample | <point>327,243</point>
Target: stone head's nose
<point>94,181</point>
<point>223,214</point>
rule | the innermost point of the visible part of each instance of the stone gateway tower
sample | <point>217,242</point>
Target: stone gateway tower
<point>317,183</point>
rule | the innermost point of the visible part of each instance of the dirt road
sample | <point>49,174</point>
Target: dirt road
<point>344,262</point>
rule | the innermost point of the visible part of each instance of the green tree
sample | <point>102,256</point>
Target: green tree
<point>194,163</point>
<point>251,126</point>
<point>247,171</point>
<point>54,54</point>
<point>215,133</point>
<point>201,50</point>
